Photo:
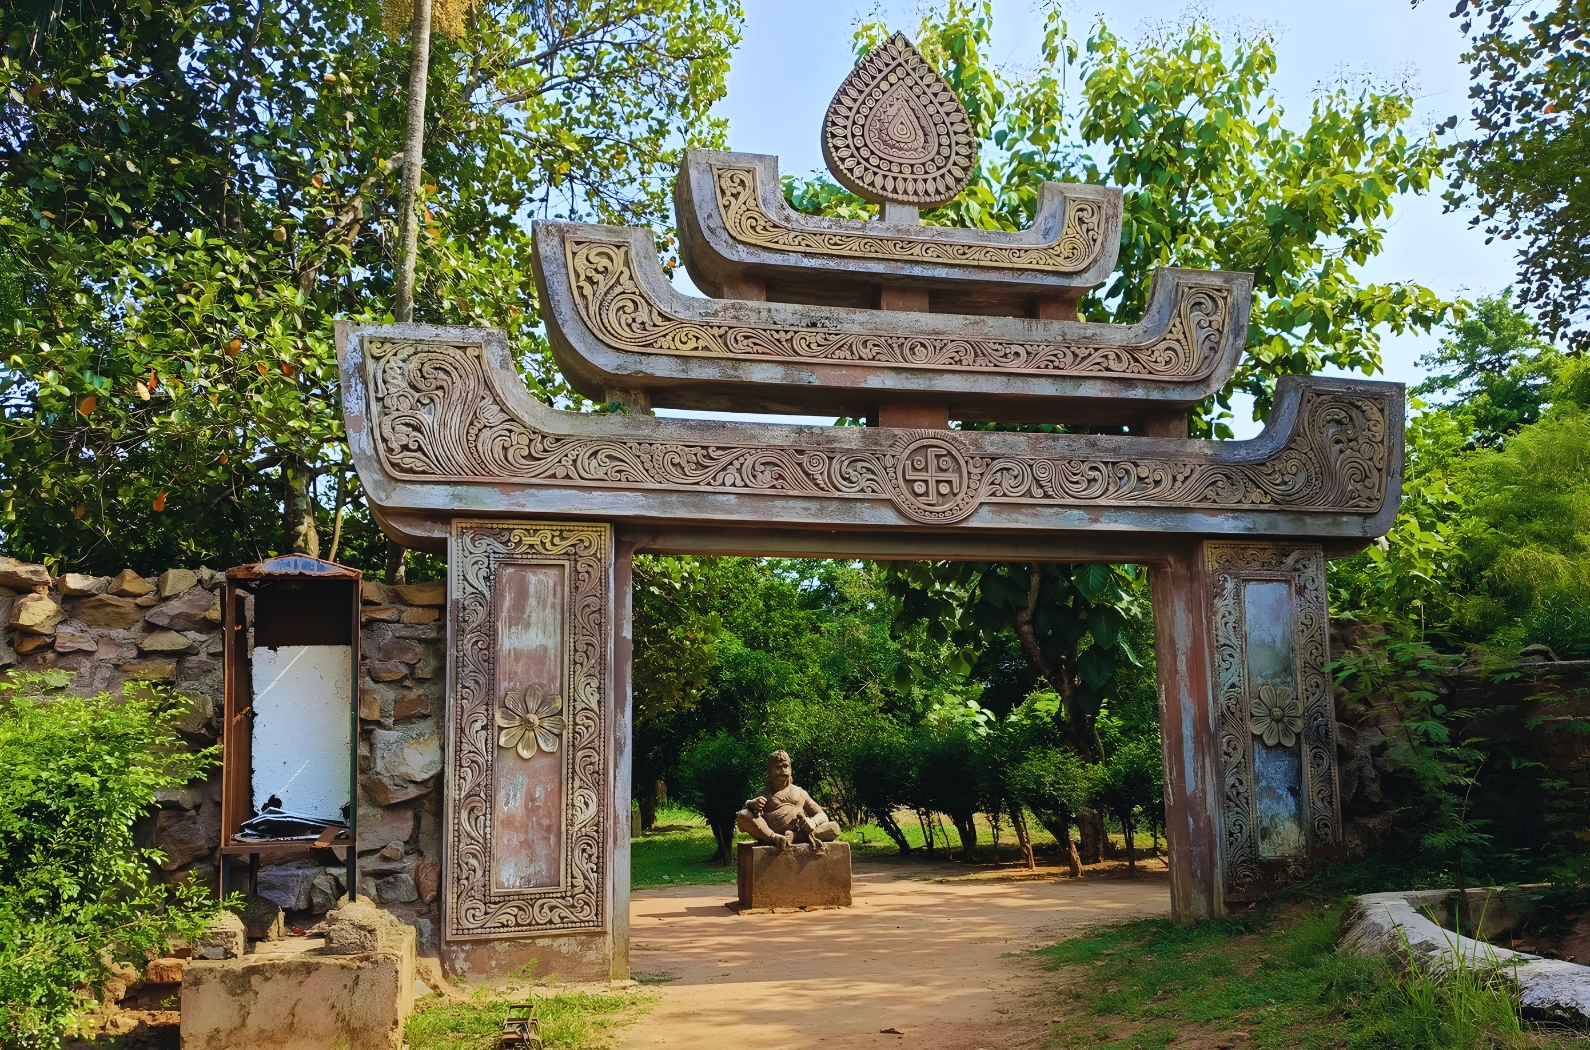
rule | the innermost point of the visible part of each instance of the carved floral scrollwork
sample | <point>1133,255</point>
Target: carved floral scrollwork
<point>435,415</point>
<point>1079,244</point>
<point>479,725</point>
<point>618,311</point>
<point>1271,713</point>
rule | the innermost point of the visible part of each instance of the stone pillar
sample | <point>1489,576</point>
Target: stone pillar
<point>1247,719</point>
<point>536,740</point>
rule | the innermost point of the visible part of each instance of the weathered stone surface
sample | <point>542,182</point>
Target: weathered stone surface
<point>289,884</point>
<point>71,639</point>
<point>225,938</point>
<point>379,613</point>
<point>36,614</point>
<point>433,592</point>
<point>21,575</point>
<point>428,879</point>
<point>373,592</point>
<point>128,584</point>
<point>369,706</point>
<point>164,641</point>
<point>188,611</point>
<point>323,893</point>
<point>411,752</point>
<point>8,655</point>
<point>32,643</point>
<point>262,918</point>
<point>77,585</point>
<point>795,878</point>
<point>388,791</point>
<point>386,671</point>
<point>190,796</point>
<point>396,889</point>
<point>147,601</point>
<point>185,836</point>
<point>151,670</point>
<point>380,825</point>
<point>411,705</point>
<point>108,610</point>
<point>208,577</point>
<point>420,614</point>
<point>164,971</point>
<point>174,581</point>
<point>299,1001</point>
<point>401,650</point>
<point>113,650</point>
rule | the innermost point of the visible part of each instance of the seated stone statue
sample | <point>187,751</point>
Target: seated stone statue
<point>784,814</point>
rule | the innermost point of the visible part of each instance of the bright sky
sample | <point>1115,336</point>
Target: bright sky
<point>795,54</point>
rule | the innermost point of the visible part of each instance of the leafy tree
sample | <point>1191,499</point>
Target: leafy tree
<point>77,894</point>
<point>191,191</point>
<point>1131,785</point>
<point>1524,170</point>
<point>1186,124</point>
<point>718,773</point>
<point>1496,365</point>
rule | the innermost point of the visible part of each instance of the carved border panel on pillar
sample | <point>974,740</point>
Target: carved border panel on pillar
<point>529,832</point>
<point>1275,714</point>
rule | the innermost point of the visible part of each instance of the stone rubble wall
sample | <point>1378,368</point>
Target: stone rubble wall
<point>109,630</point>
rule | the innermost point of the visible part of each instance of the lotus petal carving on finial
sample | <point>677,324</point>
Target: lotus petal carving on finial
<point>896,132</point>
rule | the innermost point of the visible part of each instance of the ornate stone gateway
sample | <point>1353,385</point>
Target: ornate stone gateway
<point>540,511</point>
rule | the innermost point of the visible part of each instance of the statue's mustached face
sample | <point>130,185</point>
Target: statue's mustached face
<point>779,773</point>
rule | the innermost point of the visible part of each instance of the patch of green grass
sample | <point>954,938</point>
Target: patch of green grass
<point>569,1020</point>
<point>676,852</point>
<point>1276,977</point>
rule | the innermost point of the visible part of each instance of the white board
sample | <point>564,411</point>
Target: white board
<point>303,700</point>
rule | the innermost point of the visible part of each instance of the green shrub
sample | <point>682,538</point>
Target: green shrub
<point>718,773</point>
<point>76,892</point>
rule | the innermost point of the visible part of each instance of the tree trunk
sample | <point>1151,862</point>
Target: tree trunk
<point>891,827</point>
<point>1131,844</point>
<point>1080,734</point>
<point>397,568</point>
<point>1018,820</point>
<point>967,829</point>
<point>1091,827</point>
<point>298,509</point>
<point>413,158</point>
<point>646,799</point>
<point>927,831</point>
<point>723,832</point>
<point>1073,861</point>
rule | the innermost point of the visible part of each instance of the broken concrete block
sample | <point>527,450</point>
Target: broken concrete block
<point>36,614</point>
<point>164,971</point>
<point>173,582</point>
<point>108,610</point>
<point>299,1001</point>
<point>77,585</point>
<point>128,584</point>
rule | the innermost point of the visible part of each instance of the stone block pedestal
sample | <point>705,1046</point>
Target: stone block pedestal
<point>799,878</point>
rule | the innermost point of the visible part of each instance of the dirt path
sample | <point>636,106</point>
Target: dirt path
<point>932,957</point>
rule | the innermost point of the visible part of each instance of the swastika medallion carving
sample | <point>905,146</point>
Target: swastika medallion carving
<point>933,480</point>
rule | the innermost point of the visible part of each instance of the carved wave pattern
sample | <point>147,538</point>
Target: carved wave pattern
<point>473,907</point>
<point>1229,564</point>
<point>1078,246</point>
<point>436,416</point>
<point>620,314</point>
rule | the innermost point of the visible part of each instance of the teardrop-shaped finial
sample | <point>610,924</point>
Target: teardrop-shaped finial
<point>896,132</point>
